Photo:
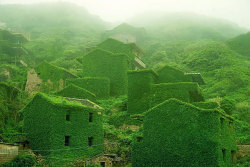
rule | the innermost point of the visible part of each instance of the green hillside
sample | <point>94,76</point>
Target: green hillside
<point>241,44</point>
<point>54,29</point>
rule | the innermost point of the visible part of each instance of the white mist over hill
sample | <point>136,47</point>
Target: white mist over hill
<point>120,10</point>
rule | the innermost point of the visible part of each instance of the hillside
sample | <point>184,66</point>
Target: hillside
<point>186,26</point>
<point>54,29</point>
<point>241,44</point>
<point>196,70</point>
<point>50,18</point>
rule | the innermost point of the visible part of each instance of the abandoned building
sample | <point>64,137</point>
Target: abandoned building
<point>147,88</point>
<point>176,133</point>
<point>7,152</point>
<point>106,160</point>
<point>130,49</point>
<point>63,127</point>
<point>111,60</point>
<point>46,77</point>
<point>73,91</point>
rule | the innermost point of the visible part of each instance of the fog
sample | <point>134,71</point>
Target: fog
<point>120,10</point>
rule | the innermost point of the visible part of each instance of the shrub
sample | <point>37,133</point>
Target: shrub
<point>228,105</point>
<point>26,160</point>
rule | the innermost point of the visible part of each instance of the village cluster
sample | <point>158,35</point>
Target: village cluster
<point>179,127</point>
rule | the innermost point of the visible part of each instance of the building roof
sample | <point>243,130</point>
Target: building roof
<point>60,101</point>
<point>143,71</point>
<point>116,46</point>
<point>52,72</point>
<point>173,100</point>
<point>75,91</point>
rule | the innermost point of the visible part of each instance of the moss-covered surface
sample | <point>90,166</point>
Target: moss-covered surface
<point>184,91</point>
<point>74,91</point>
<point>139,88</point>
<point>144,93</point>
<point>100,63</point>
<point>206,105</point>
<point>99,86</point>
<point>179,134</point>
<point>169,74</point>
<point>47,71</point>
<point>46,127</point>
<point>115,46</point>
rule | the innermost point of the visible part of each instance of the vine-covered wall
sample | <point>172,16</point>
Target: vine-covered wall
<point>144,93</point>
<point>101,63</point>
<point>74,91</point>
<point>184,91</point>
<point>139,87</point>
<point>169,74</point>
<point>46,125</point>
<point>176,133</point>
<point>99,86</point>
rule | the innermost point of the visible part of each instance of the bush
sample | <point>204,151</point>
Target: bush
<point>228,105</point>
<point>26,160</point>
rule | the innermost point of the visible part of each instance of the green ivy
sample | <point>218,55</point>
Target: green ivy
<point>98,86</point>
<point>74,91</point>
<point>101,63</point>
<point>179,134</point>
<point>46,127</point>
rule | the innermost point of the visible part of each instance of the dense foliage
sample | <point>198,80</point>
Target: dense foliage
<point>197,140</point>
<point>101,63</point>
<point>196,48</point>
<point>46,124</point>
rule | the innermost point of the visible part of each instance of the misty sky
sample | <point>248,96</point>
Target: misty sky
<point>237,11</point>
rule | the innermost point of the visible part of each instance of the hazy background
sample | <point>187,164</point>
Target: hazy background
<point>120,10</point>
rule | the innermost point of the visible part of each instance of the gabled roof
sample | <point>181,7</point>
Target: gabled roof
<point>187,105</point>
<point>74,91</point>
<point>52,72</point>
<point>57,100</point>
<point>102,52</point>
<point>115,46</point>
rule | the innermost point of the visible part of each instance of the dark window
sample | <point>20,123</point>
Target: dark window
<point>221,122</point>
<point>102,164</point>
<point>90,141</point>
<point>224,154</point>
<point>139,139</point>
<point>68,116</point>
<point>90,117</point>
<point>233,153</point>
<point>231,127</point>
<point>66,143</point>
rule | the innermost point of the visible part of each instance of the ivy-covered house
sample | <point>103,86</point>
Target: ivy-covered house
<point>46,77</point>
<point>130,49</point>
<point>179,134</point>
<point>111,60</point>
<point>147,88</point>
<point>97,85</point>
<point>100,63</point>
<point>62,128</point>
<point>73,91</point>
